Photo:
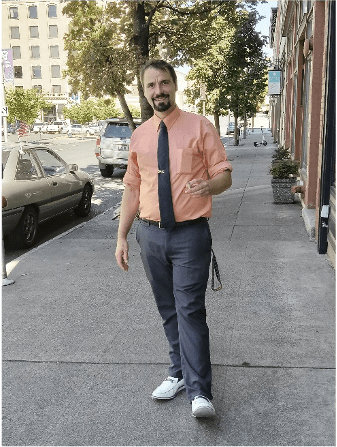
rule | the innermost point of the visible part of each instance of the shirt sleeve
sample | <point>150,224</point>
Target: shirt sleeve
<point>132,175</point>
<point>214,154</point>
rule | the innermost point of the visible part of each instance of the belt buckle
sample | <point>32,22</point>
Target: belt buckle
<point>160,225</point>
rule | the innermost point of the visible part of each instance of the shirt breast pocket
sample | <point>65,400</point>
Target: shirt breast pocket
<point>186,160</point>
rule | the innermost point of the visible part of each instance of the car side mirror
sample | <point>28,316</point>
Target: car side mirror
<point>73,168</point>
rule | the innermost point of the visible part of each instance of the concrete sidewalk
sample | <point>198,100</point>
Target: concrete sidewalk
<point>83,344</point>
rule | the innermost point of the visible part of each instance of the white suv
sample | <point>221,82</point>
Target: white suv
<point>112,147</point>
<point>56,126</point>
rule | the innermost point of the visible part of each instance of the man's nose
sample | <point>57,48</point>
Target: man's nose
<point>158,89</point>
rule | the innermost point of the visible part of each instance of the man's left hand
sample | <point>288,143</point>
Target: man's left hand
<point>204,188</point>
<point>198,188</point>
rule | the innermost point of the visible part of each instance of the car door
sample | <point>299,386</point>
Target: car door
<point>66,189</point>
<point>25,185</point>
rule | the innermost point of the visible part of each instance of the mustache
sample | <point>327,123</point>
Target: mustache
<point>161,97</point>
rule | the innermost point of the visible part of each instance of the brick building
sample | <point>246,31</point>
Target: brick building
<point>302,35</point>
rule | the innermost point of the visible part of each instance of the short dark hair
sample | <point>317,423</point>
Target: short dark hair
<point>159,65</point>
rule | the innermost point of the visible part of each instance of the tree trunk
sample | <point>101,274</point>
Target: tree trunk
<point>216,121</point>
<point>140,43</point>
<point>126,111</point>
<point>236,136</point>
<point>145,107</point>
<point>245,125</point>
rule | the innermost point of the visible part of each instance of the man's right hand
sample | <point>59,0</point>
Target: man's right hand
<point>122,254</point>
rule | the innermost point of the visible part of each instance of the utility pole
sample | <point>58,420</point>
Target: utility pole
<point>203,98</point>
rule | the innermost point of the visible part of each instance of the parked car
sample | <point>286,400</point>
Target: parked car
<point>39,127</point>
<point>56,126</point>
<point>230,128</point>
<point>95,128</point>
<point>112,147</point>
<point>81,129</point>
<point>11,128</point>
<point>38,185</point>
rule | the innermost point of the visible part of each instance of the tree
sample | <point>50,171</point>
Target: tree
<point>233,70</point>
<point>108,45</point>
<point>88,110</point>
<point>242,74</point>
<point>98,61</point>
<point>203,69</point>
<point>25,105</point>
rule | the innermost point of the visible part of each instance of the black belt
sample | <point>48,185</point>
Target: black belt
<point>185,223</point>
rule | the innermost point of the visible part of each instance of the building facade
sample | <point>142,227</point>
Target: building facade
<point>34,31</point>
<point>302,35</point>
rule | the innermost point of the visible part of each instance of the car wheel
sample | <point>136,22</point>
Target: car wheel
<point>107,171</point>
<point>25,233</point>
<point>84,207</point>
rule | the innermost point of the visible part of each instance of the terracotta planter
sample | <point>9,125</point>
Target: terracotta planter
<point>282,189</point>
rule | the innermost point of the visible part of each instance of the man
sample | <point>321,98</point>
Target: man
<point>174,198</point>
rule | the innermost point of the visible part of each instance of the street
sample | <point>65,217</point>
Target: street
<point>108,191</point>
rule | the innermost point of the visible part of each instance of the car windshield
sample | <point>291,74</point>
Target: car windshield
<point>114,130</point>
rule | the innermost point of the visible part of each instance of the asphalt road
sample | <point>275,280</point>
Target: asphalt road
<point>108,191</point>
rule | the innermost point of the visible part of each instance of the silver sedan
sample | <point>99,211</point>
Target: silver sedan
<point>37,185</point>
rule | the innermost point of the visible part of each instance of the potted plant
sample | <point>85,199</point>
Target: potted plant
<point>280,153</point>
<point>284,174</point>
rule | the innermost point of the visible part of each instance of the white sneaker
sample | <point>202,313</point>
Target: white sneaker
<point>169,388</point>
<point>202,407</point>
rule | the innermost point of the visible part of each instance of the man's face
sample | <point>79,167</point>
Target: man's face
<point>159,89</point>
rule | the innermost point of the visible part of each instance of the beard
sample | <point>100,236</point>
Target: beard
<point>162,106</point>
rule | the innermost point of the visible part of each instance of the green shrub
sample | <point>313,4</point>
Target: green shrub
<point>284,168</point>
<point>281,153</point>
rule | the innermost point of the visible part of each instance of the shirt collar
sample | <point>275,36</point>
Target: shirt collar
<point>169,120</point>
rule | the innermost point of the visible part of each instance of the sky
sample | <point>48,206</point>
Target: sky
<point>263,26</point>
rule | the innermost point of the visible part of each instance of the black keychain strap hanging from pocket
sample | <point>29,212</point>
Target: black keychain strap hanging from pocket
<point>215,270</point>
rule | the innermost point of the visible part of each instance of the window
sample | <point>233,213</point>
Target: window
<point>34,32</point>
<point>15,32</point>
<point>17,71</point>
<point>32,12</point>
<point>25,168</point>
<point>13,12</point>
<point>38,88</point>
<point>56,89</point>
<point>53,31</point>
<point>55,71</point>
<point>54,51</point>
<point>35,52</point>
<point>16,52</point>
<point>52,11</point>
<point>36,71</point>
<point>51,165</point>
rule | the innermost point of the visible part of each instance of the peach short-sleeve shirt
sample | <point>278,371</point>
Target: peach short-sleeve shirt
<point>196,152</point>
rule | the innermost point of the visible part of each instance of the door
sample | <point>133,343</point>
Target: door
<point>65,189</point>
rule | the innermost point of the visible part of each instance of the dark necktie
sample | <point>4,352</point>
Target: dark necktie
<point>164,184</point>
